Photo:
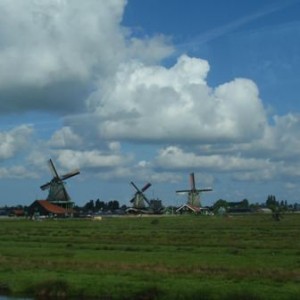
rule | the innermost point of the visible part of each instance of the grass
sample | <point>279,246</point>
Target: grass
<point>182,257</point>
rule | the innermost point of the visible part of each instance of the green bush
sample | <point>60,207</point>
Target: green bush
<point>50,289</point>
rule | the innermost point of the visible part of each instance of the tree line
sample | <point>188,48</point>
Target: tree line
<point>270,203</point>
<point>98,205</point>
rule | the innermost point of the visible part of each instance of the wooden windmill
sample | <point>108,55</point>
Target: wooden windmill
<point>193,193</point>
<point>141,204</point>
<point>139,200</point>
<point>57,191</point>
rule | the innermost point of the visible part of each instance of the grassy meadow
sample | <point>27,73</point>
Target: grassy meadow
<point>175,257</point>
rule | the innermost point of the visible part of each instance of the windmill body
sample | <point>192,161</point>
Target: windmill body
<point>193,193</point>
<point>57,191</point>
<point>141,204</point>
<point>194,198</point>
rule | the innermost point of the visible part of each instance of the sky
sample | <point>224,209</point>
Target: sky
<point>150,91</point>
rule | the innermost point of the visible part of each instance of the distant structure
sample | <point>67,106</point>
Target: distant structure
<point>141,204</point>
<point>193,202</point>
<point>57,192</point>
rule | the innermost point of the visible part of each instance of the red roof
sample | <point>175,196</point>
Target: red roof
<point>52,208</point>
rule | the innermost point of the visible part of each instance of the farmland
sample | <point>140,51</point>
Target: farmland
<point>182,257</point>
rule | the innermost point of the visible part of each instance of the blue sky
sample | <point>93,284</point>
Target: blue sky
<point>149,91</point>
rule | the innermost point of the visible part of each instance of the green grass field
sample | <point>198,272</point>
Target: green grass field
<point>182,257</point>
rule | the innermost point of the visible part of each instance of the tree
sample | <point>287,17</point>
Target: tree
<point>99,205</point>
<point>245,203</point>
<point>278,213</point>
<point>271,202</point>
<point>220,203</point>
<point>89,205</point>
<point>113,205</point>
<point>276,207</point>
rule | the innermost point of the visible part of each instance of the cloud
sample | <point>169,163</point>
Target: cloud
<point>273,156</point>
<point>52,51</point>
<point>286,135</point>
<point>56,40</point>
<point>279,141</point>
<point>150,49</point>
<point>96,160</point>
<point>65,138</point>
<point>17,172</point>
<point>14,141</point>
<point>175,158</point>
<point>50,45</point>
<point>153,103</point>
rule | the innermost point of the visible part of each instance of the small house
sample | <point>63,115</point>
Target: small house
<point>190,209</point>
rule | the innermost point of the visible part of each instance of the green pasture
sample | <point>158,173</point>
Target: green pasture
<point>175,257</point>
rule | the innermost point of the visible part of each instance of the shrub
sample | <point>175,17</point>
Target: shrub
<point>50,289</point>
<point>4,288</point>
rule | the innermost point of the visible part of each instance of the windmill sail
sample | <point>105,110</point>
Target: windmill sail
<point>70,174</point>
<point>139,197</point>
<point>192,181</point>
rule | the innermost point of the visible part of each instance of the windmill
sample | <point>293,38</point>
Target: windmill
<point>141,204</point>
<point>57,191</point>
<point>193,193</point>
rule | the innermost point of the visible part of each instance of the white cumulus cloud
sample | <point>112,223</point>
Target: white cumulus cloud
<point>52,51</point>
<point>154,103</point>
<point>14,141</point>
<point>65,138</point>
<point>93,159</point>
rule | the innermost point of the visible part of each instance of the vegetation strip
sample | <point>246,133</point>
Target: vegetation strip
<point>180,257</point>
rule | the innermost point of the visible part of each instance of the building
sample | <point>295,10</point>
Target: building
<point>47,209</point>
<point>188,209</point>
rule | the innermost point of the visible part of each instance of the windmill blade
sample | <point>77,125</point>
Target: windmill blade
<point>52,168</point>
<point>192,181</point>
<point>45,186</point>
<point>70,174</point>
<point>135,187</point>
<point>145,198</point>
<point>146,187</point>
<point>204,190</point>
<point>182,191</point>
